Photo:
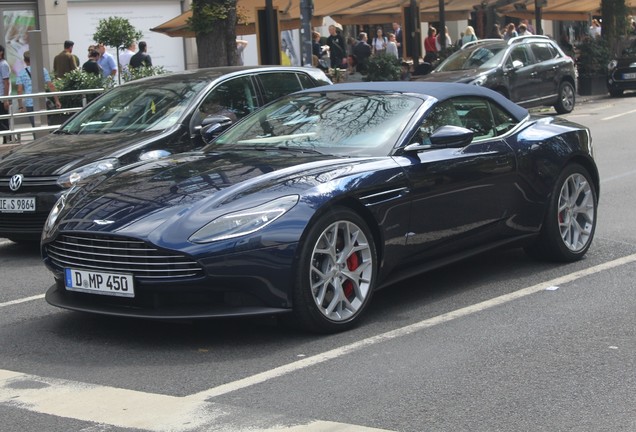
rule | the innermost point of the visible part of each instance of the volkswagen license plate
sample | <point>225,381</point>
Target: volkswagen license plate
<point>113,284</point>
<point>17,205</point>
<point>631,75</point>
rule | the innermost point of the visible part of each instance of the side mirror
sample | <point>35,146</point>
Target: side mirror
<point>451,136</point>
<point>517,64</point>
<point>212,126</point>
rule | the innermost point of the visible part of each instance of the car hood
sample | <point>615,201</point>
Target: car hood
<point>55,154</point>
<point>625,62</point>
<point>460,76</point>
<point>195,188</point>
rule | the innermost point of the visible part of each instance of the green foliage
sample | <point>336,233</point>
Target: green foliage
<point>131,74</point>
<point>594,55</point>
<point>80,80</point>
<point>615,21</point>
<point>116,32</point>
<point>383,67</point>
<point>208,13</point>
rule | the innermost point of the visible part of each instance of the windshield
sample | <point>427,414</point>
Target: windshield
<point>627,47</point>
<point>152,105</point>
<point>343,124</point>
<point>475,57</point>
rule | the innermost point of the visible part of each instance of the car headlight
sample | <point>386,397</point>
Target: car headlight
<point>82,173</point>
<point>54,214</point>
<point>480,81</point>
<point>612,65</point>
<point>244,222</point>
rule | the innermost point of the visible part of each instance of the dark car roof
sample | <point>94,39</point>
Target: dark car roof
<point>439,90</point>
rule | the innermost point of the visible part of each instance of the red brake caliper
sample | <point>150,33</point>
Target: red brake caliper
<point>352,263</point>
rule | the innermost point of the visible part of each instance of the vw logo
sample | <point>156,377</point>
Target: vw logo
<point>15,182</point>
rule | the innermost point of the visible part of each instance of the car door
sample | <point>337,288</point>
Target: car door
<point>522,75</point>
<point>460,196</point>
<point>548,61</point>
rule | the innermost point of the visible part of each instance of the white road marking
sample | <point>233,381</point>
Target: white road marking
<point>133,409</point>
<point>618,177</point>
<point>22,300</point>
<point>619,115</point>
<point>341,351</point>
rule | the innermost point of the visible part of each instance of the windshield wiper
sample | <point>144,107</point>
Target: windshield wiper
<point>298,149</point>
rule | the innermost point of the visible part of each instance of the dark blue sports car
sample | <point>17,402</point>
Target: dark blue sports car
<point>312,203</point>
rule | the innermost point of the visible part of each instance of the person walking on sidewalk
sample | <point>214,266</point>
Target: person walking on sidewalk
<point>25,86</point>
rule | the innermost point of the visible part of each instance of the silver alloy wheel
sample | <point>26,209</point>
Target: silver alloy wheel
<point>567,98</point>
<point>576,212</point>
<point>341,270</point>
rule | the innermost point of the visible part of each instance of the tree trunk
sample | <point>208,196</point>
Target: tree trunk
<point>216,42</point>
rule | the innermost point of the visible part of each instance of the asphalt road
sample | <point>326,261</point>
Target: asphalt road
<point>496,343</point>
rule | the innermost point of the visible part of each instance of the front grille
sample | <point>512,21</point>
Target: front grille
<point>22,222</point>
<point>41,184</point>
<point>120,255</point>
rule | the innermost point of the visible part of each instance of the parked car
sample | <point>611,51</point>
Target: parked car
<point>529,70</point>
<point>141,120</point>
<point>312,203</point>
<point>621,74</point>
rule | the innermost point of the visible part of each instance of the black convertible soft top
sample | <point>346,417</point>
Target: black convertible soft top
<point>438,90</point>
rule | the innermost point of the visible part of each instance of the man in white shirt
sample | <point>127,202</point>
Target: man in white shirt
<point>125,55</point>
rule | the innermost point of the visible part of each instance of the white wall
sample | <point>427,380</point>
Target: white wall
<point>166,51</point>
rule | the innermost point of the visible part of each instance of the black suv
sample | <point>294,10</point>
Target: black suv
<point>529,70</point>
<point>140,120</point>
<point>621,74</point>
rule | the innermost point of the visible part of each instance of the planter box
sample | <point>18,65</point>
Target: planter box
<point>590,86</point>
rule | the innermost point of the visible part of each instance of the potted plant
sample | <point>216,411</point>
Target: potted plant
<point>383,67</point>
<point>591,62</point>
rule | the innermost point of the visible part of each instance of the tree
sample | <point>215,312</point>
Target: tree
<point>615,23</point>
<point>214,24</point>
<point>116,32</point>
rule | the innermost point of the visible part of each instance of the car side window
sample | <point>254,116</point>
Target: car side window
<point>278,84</point>
<point>306,81</point>
<point>542,52</point>
<point>234,98</point>
<point>503,120</point>
<point>519,53</point>
<point>441,114</point>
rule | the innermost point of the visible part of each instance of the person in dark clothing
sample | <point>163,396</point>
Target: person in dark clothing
<point>91,65</point>
<point>337,49</point>
<point>362,51</point>
<point>141,58</point>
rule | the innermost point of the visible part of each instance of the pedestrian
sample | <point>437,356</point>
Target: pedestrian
<point>24,84</point>
<point>5,75</point>
<point>378,44</point>
<point>141,58</point>
<point>495,33</point>
<point>430,46</point>
<point>125,56</point>
<point>469,36</point>
<point>391,46</point>
<point>362,52</point>
<point>595,28</point>
<point>447,39</point>
<point>65,62</point>
<point>106,62</point>
<point>399,38</point>
<point>91,66</point>
<point>529,28</point>
<point>510,32</point>
<point>337,48</point>
<point>522,30</point>
<point>241,44</point>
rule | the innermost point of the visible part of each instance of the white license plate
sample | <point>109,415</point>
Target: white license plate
<point>17,205</point>
<point>629,75</point>
<point>113,284</point>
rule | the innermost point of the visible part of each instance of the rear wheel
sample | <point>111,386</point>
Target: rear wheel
<point>336,273</point>
<point>569,226</point>
<point>565,103</point>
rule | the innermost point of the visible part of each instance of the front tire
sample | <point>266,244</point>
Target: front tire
<point>616,93</point>
<point>567,98</point>
<point>570,222</point>
<point>336,274</point>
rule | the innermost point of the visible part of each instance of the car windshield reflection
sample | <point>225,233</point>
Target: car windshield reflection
<point>477,57</point>
<point>343,124</point>
<point>136,108</point>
